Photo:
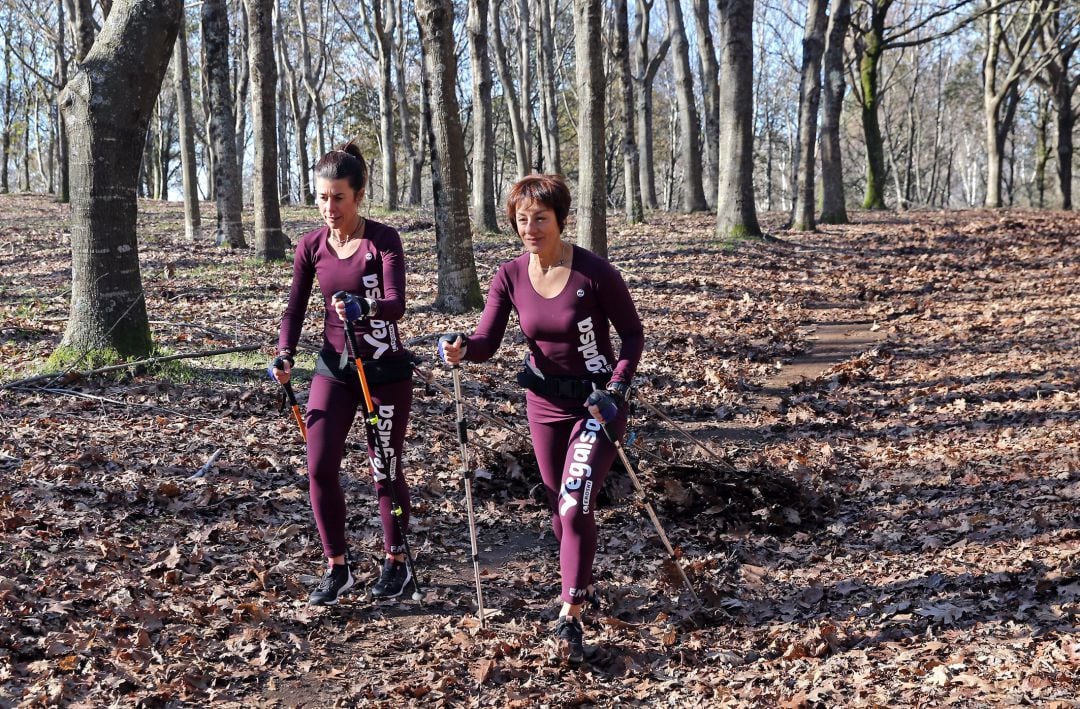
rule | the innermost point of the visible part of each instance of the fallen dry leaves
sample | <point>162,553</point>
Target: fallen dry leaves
<point>901,529</point>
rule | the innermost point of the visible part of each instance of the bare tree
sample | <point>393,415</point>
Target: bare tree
<point>269,238</point>
<point>121,75</point>
<point>514,101</point>
<point>84,28</point>
<point>802,213</point>
<point>645,68</point>
<point>633,210</point>
<point>592,181</point>
<point>226,174</point>
<point>547,18</point>
<point>8,115</point>
<point>1001,84</point>
<point>381,20</point>
<point>414,156</point>
<point>483,157</point>
<point>710,87</point>
<point>300,106</point>
<point>736,213</point>
<point>1059,41</point>
<point>186,126</point>
<point>240,82</point>
<point>60,80</point>
<point>689,155</point>
<point>833,202</point>
<point>458,287</point>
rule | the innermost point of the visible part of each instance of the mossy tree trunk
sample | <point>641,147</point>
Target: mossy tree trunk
<point>120,76</point>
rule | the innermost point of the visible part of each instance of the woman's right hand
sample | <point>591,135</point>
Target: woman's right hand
<point>452,348</point>
<point>280,368</point>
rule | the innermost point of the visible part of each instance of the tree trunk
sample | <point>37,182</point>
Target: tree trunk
<point>592,193</point>
<point>549,106</point>
<point>414,156</point>
<point>1042,150</point>
<point>510,94</point>
<point>736,214</point>
<point>5,144</point>
<point>689,156</point>
<point>301,115</point>
<point>833,201</point>
<point>182,82</point>
<point>121,75</point>
<point>284,163</point>
<point>240,100</point>
<point>380,22</point>
<point>84,28</point>
<point>458,287</point>
<point>802,213</point>
<point>524,47</point>
<point>483,157</point>
<point>645,69</point>
<point>869,73</point>
<point>1066,121</point>
<point>227,187</point>
<point>633,210</point>
<point>63,159</point>
<point>710,86</point>
<point>269,238</point>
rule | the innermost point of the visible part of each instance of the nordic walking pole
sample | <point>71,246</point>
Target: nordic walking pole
<point>649,509</point>
<point>467,477</point>
<point>371,419</point>
<point>686,435</point>
<point>291,396</point>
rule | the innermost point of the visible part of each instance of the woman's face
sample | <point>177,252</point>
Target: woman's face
<point>537,227</point>
<point>338,202</point>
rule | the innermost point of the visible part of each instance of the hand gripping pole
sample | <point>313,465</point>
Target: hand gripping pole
<point>467,477</point>
<point>371,419</point>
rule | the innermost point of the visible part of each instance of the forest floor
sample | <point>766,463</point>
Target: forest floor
<point>887,512</point>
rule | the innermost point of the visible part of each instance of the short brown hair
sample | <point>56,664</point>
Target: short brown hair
<point>548,190</point>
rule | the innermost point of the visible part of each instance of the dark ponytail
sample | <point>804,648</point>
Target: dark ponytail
<point>345,162</point>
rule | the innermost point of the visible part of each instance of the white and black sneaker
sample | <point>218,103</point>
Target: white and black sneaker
<point>337,581</point>
<point>392,581</point>
<point>569,640</point>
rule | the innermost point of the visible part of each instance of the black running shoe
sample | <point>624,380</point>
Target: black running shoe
<point>569,640</point>
<point>392,581</point>
<point>337,581</point>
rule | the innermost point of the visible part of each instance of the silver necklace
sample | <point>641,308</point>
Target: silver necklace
<point>341,242</point>
<point>544,269</point>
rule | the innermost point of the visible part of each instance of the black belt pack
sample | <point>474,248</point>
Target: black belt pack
<point>560,387</point>
<point>386,371</point>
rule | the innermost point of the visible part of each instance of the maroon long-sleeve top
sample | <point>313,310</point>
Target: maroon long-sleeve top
<point>376,270</point>
<point>568,335</point>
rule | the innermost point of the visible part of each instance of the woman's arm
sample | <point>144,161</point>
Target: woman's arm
<point>292,322</point>
<point>392,303</point>
<point>615,298</point>
<point>485,341</point>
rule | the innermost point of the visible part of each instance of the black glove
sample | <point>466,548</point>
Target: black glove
<point>279,363</point>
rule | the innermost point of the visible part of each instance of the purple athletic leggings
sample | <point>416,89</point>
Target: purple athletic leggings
<point>574,456</point>
<point>331,407</point>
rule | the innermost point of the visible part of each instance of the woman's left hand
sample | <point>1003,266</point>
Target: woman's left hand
<point>602,406</point>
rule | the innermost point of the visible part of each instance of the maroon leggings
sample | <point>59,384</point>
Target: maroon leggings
<point>332,405</point>
<point>574,455</point>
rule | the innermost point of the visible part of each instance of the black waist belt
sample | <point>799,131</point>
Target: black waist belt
<point>560,387</point>
<point>377,371</point>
